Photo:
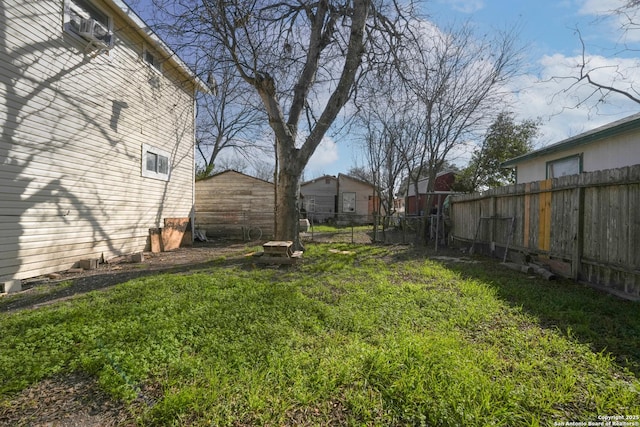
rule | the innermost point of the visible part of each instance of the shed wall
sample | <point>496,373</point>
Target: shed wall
<point>229,202</point>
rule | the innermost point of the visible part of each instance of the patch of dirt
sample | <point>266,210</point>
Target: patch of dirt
<point>75,400</point>
<point>72,400</point>
<point>43,290</point>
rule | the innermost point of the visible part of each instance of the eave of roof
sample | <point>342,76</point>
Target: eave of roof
<point>236,172</point>
<point>615,128</point>
<point>311,181</point>
<point>352,178</point>
<point>130,15</point>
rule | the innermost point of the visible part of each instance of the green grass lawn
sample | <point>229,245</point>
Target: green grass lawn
<point>377,336</point>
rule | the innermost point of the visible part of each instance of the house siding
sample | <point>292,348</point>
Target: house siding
<point>320,198</point>
<point>415,205</point>
<point>230,201</point>
<point>611,153</point>
<point>73,125</point>
<point>363,194</point>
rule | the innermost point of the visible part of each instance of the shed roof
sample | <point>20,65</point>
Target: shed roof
<point>235,172</point>
<point>620,126</point>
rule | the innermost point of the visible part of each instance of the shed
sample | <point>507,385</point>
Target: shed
<point>230,203</point>
<point>415,205</point>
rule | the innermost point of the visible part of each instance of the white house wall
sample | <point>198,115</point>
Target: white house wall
<point>612,153</point>
<point>363,192</point>
<point>72,128</point>
<point>320,198</point>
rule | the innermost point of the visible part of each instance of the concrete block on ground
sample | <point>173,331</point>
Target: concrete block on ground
<point>11,286</point>
<point>137,257</point>
<point>88,264</point>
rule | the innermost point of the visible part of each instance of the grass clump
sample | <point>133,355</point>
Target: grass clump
<point>361,335</point>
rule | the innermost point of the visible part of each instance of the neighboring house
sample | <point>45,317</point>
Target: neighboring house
<point>611,146</point>
<point>414,205</point>
<point>357,201</point>
<point>319,198</point>
<point>97,134</point>
<point>343,199</point>
<point>230,203</point>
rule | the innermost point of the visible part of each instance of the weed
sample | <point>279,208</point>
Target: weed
<point>363,336</point>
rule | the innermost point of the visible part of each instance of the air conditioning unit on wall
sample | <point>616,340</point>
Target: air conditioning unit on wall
<point>96,33</point>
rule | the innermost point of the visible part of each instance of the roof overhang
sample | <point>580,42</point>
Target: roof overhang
<point>142,28</point>
<point>615,128</point>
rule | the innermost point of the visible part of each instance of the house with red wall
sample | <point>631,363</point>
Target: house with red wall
<point>414,204</point>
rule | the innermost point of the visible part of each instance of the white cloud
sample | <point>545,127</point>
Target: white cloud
<point>552,98</point>
<point>599,7</point>
<point>325,155</point>
<point>466,6</point>
<point>619,22</point>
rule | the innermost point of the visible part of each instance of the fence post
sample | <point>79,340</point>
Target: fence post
<point>492,225</point>
<point>576,258</point>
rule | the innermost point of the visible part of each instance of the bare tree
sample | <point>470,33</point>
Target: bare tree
<point>596,83</point>
<point>302,58</point>
<point>229,120</point>
<point>388,130</point>
<point>458,83</point>
<point>263,170</point>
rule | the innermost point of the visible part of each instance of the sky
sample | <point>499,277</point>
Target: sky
<point>551,48</point>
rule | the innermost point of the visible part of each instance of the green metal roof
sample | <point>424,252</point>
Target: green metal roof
<point>602,132</point>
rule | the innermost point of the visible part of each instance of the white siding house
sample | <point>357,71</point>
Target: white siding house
<point>612,146</point>
<point>357,201</point>
<point>344,199</point>
<point>319,198</point>
<point>96,134</point>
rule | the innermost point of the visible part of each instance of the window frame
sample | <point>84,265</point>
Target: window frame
<point>155,174</point>
<point>156,64</point>
<point>344,199</point>
<point>86,9</point>
<point>310,201</point>
<point>549,165</point>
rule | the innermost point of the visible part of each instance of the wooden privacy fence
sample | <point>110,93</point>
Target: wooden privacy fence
<point>586,226</point>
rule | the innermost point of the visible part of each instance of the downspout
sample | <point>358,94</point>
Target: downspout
<point>192,214</point>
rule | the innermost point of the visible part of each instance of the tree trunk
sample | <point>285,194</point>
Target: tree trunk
<point>287,194</point>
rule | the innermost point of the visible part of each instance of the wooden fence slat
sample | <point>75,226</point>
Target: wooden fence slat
<point>591,219</point>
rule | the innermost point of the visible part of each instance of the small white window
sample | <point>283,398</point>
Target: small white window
<point>152,60</point>
<point>310,203</point>
<point>155,163</point>
<point>82,18</point>
<point>563,167</point>
<point>348,202</point>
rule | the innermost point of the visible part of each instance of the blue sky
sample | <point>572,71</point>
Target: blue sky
<point>547,30</point>
<point>552,48</point>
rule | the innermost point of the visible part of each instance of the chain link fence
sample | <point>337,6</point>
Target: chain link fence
<point>379,229</point>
